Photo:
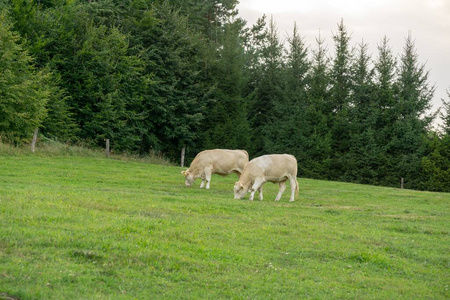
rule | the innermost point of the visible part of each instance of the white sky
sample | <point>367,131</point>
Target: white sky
<point>371,20</point>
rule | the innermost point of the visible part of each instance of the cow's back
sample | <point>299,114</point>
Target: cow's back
<point>221,161</point>
<point>272,166</point>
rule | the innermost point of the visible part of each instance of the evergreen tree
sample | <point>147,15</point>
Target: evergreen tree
<point>365,155</point>
<point>319,141</point>
<point>103,81</point>
<point>176,99</point>
<point>226,116</point>
<point>340,73</point>
<point>435,166</point>
<point>410,127</point>
<point>445,115</point>
<point>59,123</point>
<point>339,102</point>
<point>23,89</point>
<point>269,90</point>
<point>291,131</point>
<point>384,109</point>
<point>209,16</point>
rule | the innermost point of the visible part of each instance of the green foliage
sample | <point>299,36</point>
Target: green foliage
<point>173,57</point>
<point>268,89</point>
<point>337,107</point>
<point>445,115</point>
<point>226,116</point>
<point>105,83</point>
<point>435,166</point>
<point>319,140</point>
<point>23,89</point>
<point>94,228</point>
<point>59,123</point>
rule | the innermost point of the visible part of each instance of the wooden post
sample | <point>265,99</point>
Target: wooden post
<point>107,148</point>
<point>183,151</point>
<point>33,142</point>
<point>402,181</point>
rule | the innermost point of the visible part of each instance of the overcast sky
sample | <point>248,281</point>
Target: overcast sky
<point>428,21</point>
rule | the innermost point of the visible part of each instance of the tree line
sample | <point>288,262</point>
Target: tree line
<point>159,76</point>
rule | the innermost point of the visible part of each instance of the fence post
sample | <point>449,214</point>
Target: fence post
<point>402,181</point>
<point>33,142</point>
<point>183,151</point>
<point>107,148</point>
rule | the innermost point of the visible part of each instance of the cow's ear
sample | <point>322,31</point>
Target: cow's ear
<point>184,173</point>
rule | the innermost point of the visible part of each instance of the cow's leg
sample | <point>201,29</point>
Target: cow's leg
<point>261,197</point>
<point>207,177</point>
<point>256,186</point>
<point>282,185</point>
<point>202,185</point>
<point>293,182</point>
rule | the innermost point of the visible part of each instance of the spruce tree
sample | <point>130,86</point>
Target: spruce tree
<point>24,91</point>
<point>339,103</point>
<point>269,90</point>
<point>291,130</point>
<point>435,166</point>
<point>384,109</point>
<point>410,128</point>
<point>364,156</point>
<point>226,116</point>
<point>319,141</point>
<point>178,92</point>
<point>445,115</point>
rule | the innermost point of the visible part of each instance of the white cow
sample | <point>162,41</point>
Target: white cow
<point>274,168</point>
<point>217,161</point>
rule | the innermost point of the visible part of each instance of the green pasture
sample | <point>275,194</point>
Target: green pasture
<point>75,227</point>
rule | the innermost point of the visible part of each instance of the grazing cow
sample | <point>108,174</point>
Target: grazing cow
<point>217,161</point>
<point>274,168</point>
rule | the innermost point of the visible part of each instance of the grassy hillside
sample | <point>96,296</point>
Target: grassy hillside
<point>92,228</point>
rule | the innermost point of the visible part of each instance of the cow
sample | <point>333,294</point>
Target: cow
<point>274,168</point>
<point>217,161</point>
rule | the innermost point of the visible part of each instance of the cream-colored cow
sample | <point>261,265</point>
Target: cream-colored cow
<point>274,168</point>
<point>217,161</point>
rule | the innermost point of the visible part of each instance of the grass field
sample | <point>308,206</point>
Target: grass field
<point>77,227</point>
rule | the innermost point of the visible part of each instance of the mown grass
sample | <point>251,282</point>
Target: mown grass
<point>75,227</point>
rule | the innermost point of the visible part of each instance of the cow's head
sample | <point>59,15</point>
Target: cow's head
<point>239,190</point>
<point>189,177</point>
